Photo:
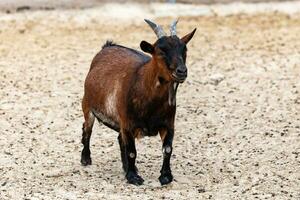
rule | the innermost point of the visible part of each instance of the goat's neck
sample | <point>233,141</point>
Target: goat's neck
<point>153,86</point>
<point>150,76</point>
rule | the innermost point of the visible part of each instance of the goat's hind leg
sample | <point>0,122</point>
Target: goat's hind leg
<point>123,155</point>
<point>86,136</point>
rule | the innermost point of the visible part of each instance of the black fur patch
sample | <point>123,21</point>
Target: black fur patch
<point>172,49</point>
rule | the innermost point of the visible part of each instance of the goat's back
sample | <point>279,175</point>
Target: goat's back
<point>116,56</point>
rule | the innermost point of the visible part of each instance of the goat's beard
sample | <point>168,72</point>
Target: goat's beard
<point>172,93</point>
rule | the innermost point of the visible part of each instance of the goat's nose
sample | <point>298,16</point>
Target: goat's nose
<point>181,71</point>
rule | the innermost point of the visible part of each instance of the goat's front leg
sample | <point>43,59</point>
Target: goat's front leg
<point>165,172</point>
<point>130,154</point>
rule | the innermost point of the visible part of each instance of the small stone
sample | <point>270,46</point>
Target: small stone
<point>215,79</point>
<point>201,190</point>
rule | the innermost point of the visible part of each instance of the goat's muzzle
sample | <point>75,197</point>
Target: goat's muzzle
<point>180,74</point>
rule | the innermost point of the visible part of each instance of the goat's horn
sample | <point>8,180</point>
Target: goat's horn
<point>173,27</point>
<point>156,28</point>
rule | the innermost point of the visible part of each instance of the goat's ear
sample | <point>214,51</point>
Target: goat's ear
<point>147,47</point>
<point>188,37</point>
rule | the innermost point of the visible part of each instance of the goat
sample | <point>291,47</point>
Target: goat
<point>135,95</point>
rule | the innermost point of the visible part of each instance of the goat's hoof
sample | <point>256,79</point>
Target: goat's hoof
<point>165,179</point>
<point>86,161</point>
<point>134,178</point>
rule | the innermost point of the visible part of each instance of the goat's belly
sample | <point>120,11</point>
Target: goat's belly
<point>145,127</point>
<point>144,131</point>
<point>106,120</point>
<point>149,127</point>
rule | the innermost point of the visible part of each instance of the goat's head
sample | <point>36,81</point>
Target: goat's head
<point>169,52</point>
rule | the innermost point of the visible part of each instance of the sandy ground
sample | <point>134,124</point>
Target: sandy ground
<point>237,125</point>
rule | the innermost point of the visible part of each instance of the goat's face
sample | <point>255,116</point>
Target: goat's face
<point>170,54</point>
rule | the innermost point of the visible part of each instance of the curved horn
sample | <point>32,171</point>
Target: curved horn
<point>156,28</point>
<point>173,27</point>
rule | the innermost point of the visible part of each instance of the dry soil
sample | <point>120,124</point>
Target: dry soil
<point>238,117</point>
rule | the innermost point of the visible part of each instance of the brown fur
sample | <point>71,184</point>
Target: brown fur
<point>119,67</point>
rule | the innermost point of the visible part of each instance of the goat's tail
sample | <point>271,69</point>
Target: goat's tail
<point>108,43</point>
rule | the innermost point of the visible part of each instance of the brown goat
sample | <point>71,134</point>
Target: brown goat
<point>134,94</point>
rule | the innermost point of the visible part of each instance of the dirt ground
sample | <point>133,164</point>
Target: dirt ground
<point>238,117</point>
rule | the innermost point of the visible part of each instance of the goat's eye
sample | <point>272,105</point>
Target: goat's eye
<point>164,56</point>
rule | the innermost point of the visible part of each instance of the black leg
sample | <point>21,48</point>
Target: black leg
<point>130,154</point>
<point>86,136</point>
<point>86,153</point>
<point>166,174</point>
<point>123,155</point>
